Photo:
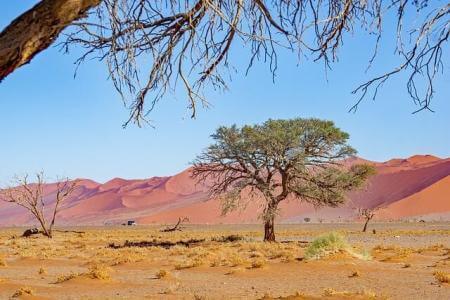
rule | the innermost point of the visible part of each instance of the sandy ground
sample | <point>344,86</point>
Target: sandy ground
<point>401,262</point>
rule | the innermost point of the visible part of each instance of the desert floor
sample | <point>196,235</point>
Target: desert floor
<point>401,261</point>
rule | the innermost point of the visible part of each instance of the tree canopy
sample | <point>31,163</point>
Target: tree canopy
<point>297,158</point>
<point>151,46</point>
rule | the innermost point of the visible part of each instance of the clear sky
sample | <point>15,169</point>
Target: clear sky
<point>73,127</point>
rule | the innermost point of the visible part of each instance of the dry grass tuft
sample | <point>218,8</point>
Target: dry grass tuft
<point>42,271</point>
<point>99,272</point>
<point>365,294</point>
<point>64,278</point>
<point>392,253</point>
<point>22,292</point>
<point>355,274</point>
<point>235,260</point>
<point>442,276</point>
<point>258,264</point>
<point>188,263</point>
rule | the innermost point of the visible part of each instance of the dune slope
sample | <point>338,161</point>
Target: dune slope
<point>416,186</point>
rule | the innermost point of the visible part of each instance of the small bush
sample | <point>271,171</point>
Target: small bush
<point>329,244</point>
<point>42,271</point>
<point>442,277</point>
<point>325,245</point>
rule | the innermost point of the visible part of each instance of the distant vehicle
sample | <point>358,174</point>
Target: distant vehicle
<point>131,223</point>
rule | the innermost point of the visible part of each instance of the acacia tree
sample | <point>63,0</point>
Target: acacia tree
<point>31,197</point>
<point>151,45</point>
<point>278,160</point>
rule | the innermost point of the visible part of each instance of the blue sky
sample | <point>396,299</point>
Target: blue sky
<point>73,127</point>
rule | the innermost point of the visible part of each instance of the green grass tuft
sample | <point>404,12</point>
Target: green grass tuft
<point>329,244</point>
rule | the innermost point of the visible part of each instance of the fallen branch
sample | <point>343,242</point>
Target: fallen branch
<point>177,226</point>
<point>30,232</point>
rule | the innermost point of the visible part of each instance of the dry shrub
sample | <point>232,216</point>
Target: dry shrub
<point>285,255</point>
<point>188,263</point>
<point>64,278</point>
<point>234,260</point>
<point>256,254</point>
<point>258,263</point>
<point>126,259</point>
<point>442,276</point>
<point>95,272</point>
<point>115,257</point>
<point>42,271</point>
<point>162,274</point>
<point>22,292</point>
<point>99,272</point>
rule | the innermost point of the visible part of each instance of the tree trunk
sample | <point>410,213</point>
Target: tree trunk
<point>36,30</point>
<point>41,220</point>
<point>269,229</point>
<point>365,225</point>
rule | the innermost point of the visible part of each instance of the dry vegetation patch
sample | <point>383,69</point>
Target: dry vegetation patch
<point>183,270</point>
<point>391,251</point>
<point>442,277</point>
<point>24,291</point>
<point>66,277</point>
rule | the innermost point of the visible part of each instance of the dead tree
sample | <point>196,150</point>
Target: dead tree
<point>177,226</point>
<point>367,214</point>
<point>33,198</point>
<point>191,42</point>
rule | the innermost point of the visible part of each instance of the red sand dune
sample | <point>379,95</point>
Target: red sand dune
<point>418,186</point>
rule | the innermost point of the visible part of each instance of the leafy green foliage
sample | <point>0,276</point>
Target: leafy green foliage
<point>296,158</point>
